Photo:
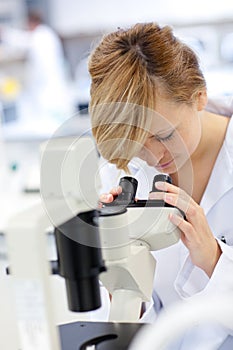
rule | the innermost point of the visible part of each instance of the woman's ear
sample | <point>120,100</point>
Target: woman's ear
<point>201,100</point>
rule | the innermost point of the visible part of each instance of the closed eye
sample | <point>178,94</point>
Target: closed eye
<point>165,138</point>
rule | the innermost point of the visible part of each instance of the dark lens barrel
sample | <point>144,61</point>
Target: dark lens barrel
<point>83,294</point>
<point>129,188</point>
<point>80,260</point>
<point>160,177</point>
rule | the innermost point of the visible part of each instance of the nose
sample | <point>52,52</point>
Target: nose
<point>152,154</point>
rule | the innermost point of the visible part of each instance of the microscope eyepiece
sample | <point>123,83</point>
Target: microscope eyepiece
<point>129,188</point>
<point>127,197</point>
<point>160,177</point>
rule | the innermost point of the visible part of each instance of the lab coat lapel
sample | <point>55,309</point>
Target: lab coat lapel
<point>216,189</point>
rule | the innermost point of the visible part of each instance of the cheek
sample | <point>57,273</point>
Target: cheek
<point>152,151</point>
<point>192,145</point>
<point>146,153</point>
<point>186,140</point>
<point>192,134</point>
<point>193,139</point>
<point>176,146</point>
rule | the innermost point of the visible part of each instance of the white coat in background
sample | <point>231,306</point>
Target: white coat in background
<point>46,78</point>
<point>45,93</point>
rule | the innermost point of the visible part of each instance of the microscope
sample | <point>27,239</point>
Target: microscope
<point>129,230</point>
<point>112,244</point>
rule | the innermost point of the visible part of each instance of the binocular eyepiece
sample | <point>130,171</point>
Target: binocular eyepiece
<point>129,188</point>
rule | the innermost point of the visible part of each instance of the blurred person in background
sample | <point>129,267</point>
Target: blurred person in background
<point>3,166</point>
<point>45,94</point>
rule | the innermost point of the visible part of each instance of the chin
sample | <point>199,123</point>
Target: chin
<point>168,170</point>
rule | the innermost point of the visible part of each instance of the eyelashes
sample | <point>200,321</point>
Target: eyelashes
<point>165,138</point>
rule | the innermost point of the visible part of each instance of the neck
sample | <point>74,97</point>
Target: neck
<point>194,175</point>
<point>213,131</point>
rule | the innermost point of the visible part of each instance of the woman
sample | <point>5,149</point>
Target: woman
<point>149,102</point>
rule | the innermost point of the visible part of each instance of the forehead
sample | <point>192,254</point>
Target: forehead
<point>168,115</point>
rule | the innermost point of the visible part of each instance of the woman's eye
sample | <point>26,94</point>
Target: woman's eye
<point>165,138</point>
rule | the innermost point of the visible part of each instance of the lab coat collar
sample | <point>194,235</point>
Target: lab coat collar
<point>221,179</point>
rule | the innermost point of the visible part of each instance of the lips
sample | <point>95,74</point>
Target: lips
<point>164,165</point>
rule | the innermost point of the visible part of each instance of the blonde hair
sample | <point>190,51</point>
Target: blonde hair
<point>129,70</point>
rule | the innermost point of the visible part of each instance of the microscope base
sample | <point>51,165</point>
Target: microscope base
<point>105,335</point>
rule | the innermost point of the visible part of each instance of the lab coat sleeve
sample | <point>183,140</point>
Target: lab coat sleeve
<point>192,281</point>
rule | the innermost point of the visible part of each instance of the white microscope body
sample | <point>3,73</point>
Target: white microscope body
<point>67,187</point>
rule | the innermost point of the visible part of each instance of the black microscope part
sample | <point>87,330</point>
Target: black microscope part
<point>160,177</point>
<point>80,264</point>
<point>129,187</point>
<point>127,197</point>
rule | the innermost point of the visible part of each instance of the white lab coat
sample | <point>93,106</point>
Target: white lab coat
<point>45,93</point>
<point>176,277</point>
<point>47,82</point>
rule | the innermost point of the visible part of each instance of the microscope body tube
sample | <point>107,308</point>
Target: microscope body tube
<point>80,261</point>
